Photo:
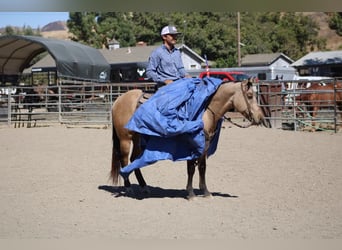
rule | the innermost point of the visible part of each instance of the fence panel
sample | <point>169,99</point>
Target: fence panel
<point>64,104</point>
<point>82,104</point>
<point>286,106</point>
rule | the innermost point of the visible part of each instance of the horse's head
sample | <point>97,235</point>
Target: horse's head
<point>246,103</point>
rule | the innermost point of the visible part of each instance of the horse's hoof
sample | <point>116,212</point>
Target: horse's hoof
<point>191,197</point>
<point>208,196</point>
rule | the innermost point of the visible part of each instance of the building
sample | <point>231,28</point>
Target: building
<point>271,60</point>
<point>274,66</point>
<point>327,63</point>
<point>128,64</point>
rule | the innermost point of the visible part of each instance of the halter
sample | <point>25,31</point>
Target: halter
<point>248,112</point>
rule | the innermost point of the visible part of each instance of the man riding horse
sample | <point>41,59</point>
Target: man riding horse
<point>181,121</point>
<point>165,64</point>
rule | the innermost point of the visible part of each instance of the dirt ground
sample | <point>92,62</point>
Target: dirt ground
<point>266,184</point>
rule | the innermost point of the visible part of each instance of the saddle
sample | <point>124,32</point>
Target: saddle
<point>143,98</point>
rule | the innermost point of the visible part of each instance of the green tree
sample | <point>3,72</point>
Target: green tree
<point>116,25</point>
<point>9,30</point>
<point>84,28</point>
<point>213,34</point>
<point>25,30</point>
<point>335,22</point>
<point>147,26</point>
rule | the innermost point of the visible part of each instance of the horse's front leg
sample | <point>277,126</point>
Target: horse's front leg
<point>141,181</point>
<point>201,169</point>
<point>191,165</point>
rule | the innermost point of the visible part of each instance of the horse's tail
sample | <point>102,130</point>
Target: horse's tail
<point>116,152</point>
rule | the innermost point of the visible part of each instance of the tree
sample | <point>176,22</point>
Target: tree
<point>83,26</point>
<point>9,30</point>
<point>213,34</point>
<point>335,22</point>
<point>25,30</point>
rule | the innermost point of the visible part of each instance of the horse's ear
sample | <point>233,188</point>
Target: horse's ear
<point>252,79</point>
<point>246,85</point>
<point>245,80</point>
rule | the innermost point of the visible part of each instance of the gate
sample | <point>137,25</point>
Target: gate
<point>283,109</point>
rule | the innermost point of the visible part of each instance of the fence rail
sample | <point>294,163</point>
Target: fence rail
<point>286,106</point>
<point>91,104</point>
<point>64,104</point>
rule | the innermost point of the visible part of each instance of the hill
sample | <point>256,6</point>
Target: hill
<point>334,41</point>
<point>58,30</point>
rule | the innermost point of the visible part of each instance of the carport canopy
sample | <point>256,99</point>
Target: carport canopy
<point>73,60</point>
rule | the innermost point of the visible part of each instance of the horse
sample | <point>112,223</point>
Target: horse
<point>318,96</point>
<point>229,95</point>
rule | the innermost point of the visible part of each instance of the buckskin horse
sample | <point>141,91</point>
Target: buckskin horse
<point>319,96</point>
<point>229,95</point>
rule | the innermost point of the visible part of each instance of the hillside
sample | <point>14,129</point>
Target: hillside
<point>334,41</point>
<point>56,30</point>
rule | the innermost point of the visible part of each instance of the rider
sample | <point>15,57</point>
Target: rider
<point>165,63</point>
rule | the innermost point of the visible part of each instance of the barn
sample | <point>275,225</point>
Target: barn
<point>320,63</point>
<point>72,60</point>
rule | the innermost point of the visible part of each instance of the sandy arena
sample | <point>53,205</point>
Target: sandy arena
<point>266,184</point>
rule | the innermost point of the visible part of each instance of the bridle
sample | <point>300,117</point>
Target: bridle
<point>247,112</point>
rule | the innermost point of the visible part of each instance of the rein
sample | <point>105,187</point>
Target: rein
<point>230,120</point>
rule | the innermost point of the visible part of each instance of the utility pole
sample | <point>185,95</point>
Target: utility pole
<point>238,39</point>
<point>184,29</point>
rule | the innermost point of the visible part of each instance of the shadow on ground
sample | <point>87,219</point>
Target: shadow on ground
<point>156,192</point>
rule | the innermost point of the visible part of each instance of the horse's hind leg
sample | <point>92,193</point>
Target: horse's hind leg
<point>201,169</point>
<point>125,150</point>
<point>191,166</point>
<point>135,153</point>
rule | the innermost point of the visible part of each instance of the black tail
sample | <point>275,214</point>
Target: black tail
<point>116,154</point>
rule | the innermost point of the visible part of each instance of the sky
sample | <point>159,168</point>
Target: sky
<point>32,19</point>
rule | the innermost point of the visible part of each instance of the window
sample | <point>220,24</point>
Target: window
<point>262,76</point>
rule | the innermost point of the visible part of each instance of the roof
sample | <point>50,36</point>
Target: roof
<point>140,54</point>
<point>128,54</point>
<point>193,53</point>
<point>263,59</point>
<point>319,58</point>
<point>72,59</point>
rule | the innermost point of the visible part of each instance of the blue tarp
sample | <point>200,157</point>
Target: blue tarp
<point>170,123</point>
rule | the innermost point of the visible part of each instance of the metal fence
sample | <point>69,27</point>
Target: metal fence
<point>85,104</point>
<point>285,106</point>
<point>64,104</point>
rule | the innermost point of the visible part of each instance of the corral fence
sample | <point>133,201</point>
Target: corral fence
<point>73,104</point>
<point>90,104</point>
<point>284,107</point>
